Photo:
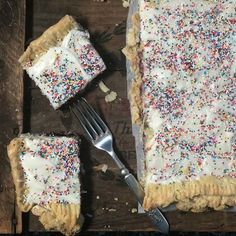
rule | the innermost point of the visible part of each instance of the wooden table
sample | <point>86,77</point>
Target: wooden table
<point>106,202</point>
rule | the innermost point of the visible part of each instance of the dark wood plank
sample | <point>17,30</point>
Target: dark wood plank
<point>12,28</point>
<point>106,202</point>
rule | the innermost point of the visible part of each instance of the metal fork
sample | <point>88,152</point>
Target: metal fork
<point>101,138</point>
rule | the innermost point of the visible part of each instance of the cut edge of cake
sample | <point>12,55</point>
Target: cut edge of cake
<point>66,218</point>
<point>191,195</point>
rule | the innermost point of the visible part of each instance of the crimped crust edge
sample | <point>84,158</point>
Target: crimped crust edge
<point>194,195</point>
<point>13,150</point>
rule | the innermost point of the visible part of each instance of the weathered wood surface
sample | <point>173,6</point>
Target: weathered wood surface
<point>12,28</point>
<point>106,202</point>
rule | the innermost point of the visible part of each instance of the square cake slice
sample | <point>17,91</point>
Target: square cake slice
<point>62,61</point>
<point>45,172</point>
<point>183,54</point>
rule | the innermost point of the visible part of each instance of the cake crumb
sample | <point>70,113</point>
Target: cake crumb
<point>112,209</point>
<point>107,226</point>
<point>125,3</point>
<point>111,95</point>
<point>116,198</point>
<point>134,210</point>
<point>102,167</point>
<point>103,87</point>
<point>126,203</point>
<point>97,197</point>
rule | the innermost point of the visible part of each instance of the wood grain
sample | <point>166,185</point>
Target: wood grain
<point>106,202</point>
<point>12,28</point>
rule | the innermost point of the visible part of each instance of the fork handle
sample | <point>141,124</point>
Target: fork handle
<point>134,186</point>
<point>131,181</point>
<point>155,215</point>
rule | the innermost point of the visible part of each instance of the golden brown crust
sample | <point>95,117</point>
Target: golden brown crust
<point>194,195</point>
<point>131,52</point>
<point>65,218</point>
<point>13,149</point>
<point>49,38</point>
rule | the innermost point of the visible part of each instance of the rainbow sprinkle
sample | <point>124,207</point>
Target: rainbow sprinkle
<point>51,169</point>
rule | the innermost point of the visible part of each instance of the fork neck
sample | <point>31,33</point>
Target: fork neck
<point>123,169</point>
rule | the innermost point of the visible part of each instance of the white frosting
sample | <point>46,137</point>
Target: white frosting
<point>51,168</point>
<point>51,80</point>
<point>154,120</point>
<point>188,67</point>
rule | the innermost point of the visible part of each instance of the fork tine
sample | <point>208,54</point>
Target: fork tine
<point>84,122</point>
<point>90,117</point>
<point>94,115</point>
